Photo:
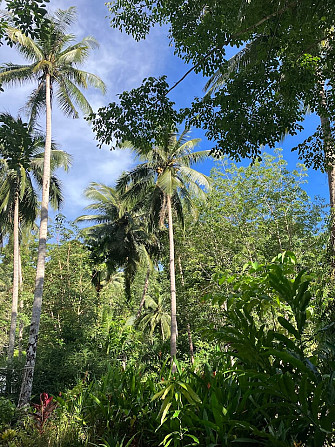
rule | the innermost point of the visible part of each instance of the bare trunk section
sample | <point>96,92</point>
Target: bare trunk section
<point>15,297</point>
<point>330,159</point>
<point>145,290</point>
<point>21,324</point>
<point>15,280</point>
<point>181,271</point>
<point>190,342</point>
<point>28,373</point>
<point>173,345</point>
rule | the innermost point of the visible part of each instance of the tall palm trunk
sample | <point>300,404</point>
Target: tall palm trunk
<point>21,324</point>
<point>173,345</point>
<point>15,297</point>
<point>329,154</point>
<point>28,374</point>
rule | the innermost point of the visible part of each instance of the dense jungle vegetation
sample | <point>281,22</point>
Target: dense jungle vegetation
<point>182,309</point>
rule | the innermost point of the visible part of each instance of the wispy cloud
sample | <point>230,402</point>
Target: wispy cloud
<point>122,64</point>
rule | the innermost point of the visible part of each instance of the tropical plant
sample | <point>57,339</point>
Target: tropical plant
<point>167,181</point>
<point>120,238</point>
<point>21,163</point>
<point>54,59</point>
<point>155,315</point>
<point>43,411</point>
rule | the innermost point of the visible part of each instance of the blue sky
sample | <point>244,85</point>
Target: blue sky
<point>122,63</point>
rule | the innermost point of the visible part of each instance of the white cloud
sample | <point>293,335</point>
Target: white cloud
<point>122,64</point>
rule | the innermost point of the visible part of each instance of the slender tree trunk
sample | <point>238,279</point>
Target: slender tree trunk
<point>15,281</point>
<point>145,290</point>
<point>329,148</point>
<point>15,296</point>
<point>181,271</point>
<point>173,345</point>
<point>190,342</point>
<point>28,374</point>
<point>21,325</point>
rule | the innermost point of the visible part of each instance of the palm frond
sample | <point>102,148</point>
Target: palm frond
<point>68,95</point>
<point>55,194</point>
<point>64,98</point>
<point>190,158</point>
<point>13,74</point>
<point>77,53</point>
<point>192,176</point>
<point>187,146</point>
<point>62,19</point>
<point>84,79</point>
<point>240,60</point>
<point>35,103</point>
<point>25,44</point>
<point>60,159</point>
<point>168,182</point>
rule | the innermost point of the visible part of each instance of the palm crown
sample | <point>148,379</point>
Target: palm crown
<point>119,237</point>
<point>55,54</point>
<point>21,161</point>
<point>166,171</point>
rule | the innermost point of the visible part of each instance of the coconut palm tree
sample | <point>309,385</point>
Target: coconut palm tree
<point>21,161</point>
<point>53,65</point>
<point>119,237</point>
<point>168,182</point>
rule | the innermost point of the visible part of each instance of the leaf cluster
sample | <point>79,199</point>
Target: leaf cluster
<point>28,15</point>
<point>143,117</point>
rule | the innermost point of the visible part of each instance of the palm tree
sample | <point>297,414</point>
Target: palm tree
<point>119,237</point>
<point>156,315</point>
<point>21,161</point>
<point>53,65</point>
<point>166,179</point>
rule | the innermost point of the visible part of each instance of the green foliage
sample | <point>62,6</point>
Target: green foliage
<point>70,312</point>
<point>251,213</point>
<point>289,397</point>
<point>287,57</point>
<point>7,411</point>
<point>28,15</point>
<point>128,121</point>
<point>21,159</point>
<point>120,236</point>
<point>268,387</point>
<point>156,315</point>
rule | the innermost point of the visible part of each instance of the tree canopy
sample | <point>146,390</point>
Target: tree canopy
<point>266,92</point>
